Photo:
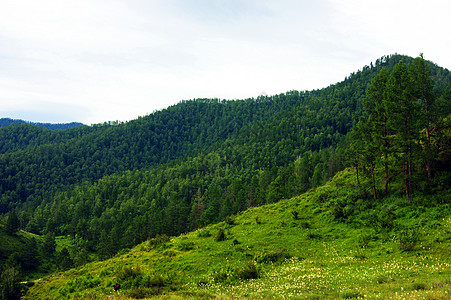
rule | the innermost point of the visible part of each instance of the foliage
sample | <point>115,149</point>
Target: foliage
<point>12,224</point>
<point>114,185</point>
<point>408,239</point>
<point>273,257</point>
<point>399,136</point>
<point>328,267</point>
<point>220,235</point>
<point>249,271</point>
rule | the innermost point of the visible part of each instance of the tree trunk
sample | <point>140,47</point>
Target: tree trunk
<point>374,182</point>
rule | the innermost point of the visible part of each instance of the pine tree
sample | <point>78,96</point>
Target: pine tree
<point>377,115</point>
<point>425,95</point>
<point>12,224</point>
<point>401,108</point>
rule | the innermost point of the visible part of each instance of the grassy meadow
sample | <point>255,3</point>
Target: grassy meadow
<point>333,242</point>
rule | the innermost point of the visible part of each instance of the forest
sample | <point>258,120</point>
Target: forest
<point>114,185</point>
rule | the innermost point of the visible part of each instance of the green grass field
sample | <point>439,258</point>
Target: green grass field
<point>330,243</point>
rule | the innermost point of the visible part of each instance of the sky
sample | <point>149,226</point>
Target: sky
<point>93,61</point>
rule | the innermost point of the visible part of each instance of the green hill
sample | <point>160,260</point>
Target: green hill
<point>298,248</point>
<point>94,191</point>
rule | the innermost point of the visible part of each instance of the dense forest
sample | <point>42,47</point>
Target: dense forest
<point>52,126</point>
<point>111,186</point>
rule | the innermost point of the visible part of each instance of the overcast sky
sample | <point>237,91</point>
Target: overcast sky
<point>103,60</point>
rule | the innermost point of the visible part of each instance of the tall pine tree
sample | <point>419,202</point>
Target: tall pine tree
<point>402,109</point>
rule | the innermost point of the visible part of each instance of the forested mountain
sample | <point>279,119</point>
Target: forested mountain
<point>48,161</point>
<point>113,185</point>
<point>51,126</point>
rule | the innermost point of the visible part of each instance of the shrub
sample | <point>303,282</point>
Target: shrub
<point>229,220</point>
<point>306,225</point>
<point>127,273</point>
<point>220,236</point>
<point>202,233</point>
<point>364,240</point>
<point>141,293</point>
<point>123,252</point>
<point>169,253</point>
<point>220,276</point>
<point>273,257</point>
<point>381,221</point>
<point>311,234</point>
<point>408,239</point>
<point>154,281</point>
<point>416,286</point>
<point>159,240</point>
<point>350,294</point>
<point>381,279</point>
<point>250,271</point>
<point>185,246</point>
<point>360,255</point>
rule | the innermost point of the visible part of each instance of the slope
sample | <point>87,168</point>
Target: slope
<point>296,248</point>
<point>296,149</point>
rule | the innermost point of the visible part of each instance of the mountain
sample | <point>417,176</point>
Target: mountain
<point>108,187</point>
<point>51,126</point>
<point>296,248</point>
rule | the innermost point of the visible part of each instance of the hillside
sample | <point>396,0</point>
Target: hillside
<point>91,191</point>
<point>296,248</point>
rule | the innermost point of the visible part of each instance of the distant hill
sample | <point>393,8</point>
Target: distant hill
<point>51,126</point>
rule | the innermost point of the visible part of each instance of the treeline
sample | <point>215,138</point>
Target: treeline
<point>52,126</point>
<point>404,135</point>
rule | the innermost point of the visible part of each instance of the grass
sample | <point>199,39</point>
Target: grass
<point>392,250</point>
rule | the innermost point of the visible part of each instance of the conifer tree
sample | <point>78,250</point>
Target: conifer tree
<point>425,95</point>
<point>378,118</point>
<point>401,108</point>
<point>12,224</point>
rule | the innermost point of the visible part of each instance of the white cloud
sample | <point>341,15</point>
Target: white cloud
<point>99,60</point>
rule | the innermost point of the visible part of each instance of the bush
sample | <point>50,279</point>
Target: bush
<point>273,257</point>
<point>416,286</point>
<point>306,225</point>
<point>220,276</point>
<point>311,234</point>
<point>250,271</point>
<point>229,220</point>
<point>381,279</point>
<point>382,221</point>
<point>220,236</point>
<point>154,281</point>
<point>185,246</point>
<point>364,240</point>
<point>159,240</point>
<point>408,239</point>
<point>127,273</point>
<point>141,293</point>
<point>202,233</point>
<point>350,294</point>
